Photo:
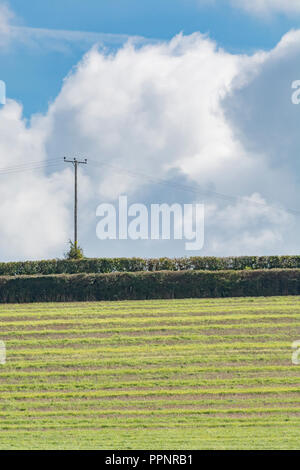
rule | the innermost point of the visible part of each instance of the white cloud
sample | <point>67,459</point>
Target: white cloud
<point>157,107</point>
<point>64,40</point>
<point>13,32</point>
<point>160,108</point>
<point>176,110</point>
<point>248,226</point>
<point>258,7</point>
<point>268,6</point>
<point>35,219</point>
<point>6,16</point>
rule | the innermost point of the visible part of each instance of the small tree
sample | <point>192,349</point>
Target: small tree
<point>75,252</point>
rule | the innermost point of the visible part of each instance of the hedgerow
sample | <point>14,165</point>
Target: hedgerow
<point>149,285</point>
<point>111,265</point>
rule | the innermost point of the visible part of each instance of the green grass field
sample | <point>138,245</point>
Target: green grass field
<point>171,374</point>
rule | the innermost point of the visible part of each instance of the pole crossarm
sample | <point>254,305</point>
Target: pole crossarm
<point>75,163</point>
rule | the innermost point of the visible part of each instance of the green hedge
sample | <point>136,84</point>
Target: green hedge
<point>147,285</point>
<point>110,265</point>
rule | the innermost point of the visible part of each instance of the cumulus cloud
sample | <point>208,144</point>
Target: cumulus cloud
<point>157,107</point>
<point>179,111</point>
<point>34,214</point>
<point>249,225</point>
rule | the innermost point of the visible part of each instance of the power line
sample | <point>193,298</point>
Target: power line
<point>33,162</point>
<point>35,165</point>
<point>42,164</point>
<point>190,189</point>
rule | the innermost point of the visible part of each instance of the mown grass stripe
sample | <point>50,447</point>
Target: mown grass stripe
<point>200,365</point>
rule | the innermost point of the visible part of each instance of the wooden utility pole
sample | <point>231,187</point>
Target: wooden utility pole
<point>75,163</point>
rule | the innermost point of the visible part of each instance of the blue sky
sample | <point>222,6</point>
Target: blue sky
<point>196,93</point>
<point>229,26</point>
<point>42,70</point>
